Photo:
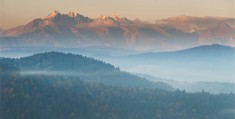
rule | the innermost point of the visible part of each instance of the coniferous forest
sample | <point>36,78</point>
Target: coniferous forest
<point>41,87</point>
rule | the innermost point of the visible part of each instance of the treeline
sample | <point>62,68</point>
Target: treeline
<point>55,61</point>
<point>59,97</point>
<point>109,94</point>
<point>85,68</point>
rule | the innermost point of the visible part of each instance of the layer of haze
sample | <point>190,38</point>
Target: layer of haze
<point>18,12</point>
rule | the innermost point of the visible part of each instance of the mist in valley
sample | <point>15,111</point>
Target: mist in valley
<point>86,83</point>
<point>190,69</point>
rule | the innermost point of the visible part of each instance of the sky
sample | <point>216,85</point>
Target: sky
<point>19,12</point>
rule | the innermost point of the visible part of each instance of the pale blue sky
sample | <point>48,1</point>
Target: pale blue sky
<point>17,12</point>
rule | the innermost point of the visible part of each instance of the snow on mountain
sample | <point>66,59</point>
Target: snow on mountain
<point>114,18</point>
<point>52,15</point>
<point>58,29</point>
<point>70,18</point>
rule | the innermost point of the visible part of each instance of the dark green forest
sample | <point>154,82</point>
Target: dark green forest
<point>43,96</point>
<point>88,69</point>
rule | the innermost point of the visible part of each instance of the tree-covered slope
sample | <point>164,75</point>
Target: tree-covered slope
<point>55,61</point>
<point>89,69</point>
<point>59,97</point>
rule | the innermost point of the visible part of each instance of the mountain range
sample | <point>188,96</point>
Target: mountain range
<point>203,63</point>
<point>76,30</point>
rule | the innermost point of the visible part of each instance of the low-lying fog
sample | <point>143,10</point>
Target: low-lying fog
<point>212,87</point>
<point>181,70</point>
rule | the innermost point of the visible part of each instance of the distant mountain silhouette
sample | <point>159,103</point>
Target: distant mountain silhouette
<point>214,52</point>
<point>204,63</point>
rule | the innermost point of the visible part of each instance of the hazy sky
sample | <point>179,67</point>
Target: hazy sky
<point>18,12</point>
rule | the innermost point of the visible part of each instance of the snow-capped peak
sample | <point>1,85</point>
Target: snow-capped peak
<point>72,14</point>
<point>53,15</point>
<point>114,17</point>
<point>117,17</point>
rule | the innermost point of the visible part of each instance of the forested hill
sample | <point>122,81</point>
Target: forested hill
<point>41,96</point>
<point>88,69</point>
<point>59,97</point>
<point>55,61</point>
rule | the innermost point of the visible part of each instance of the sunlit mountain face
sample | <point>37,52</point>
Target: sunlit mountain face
<point>76,30</point>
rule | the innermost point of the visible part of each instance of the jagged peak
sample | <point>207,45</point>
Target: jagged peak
<point>113,17</point>
<point>103,17</point>
<point>72,14</point>
<point>53,15</point>
<point>55,12</point>
<point>118,17</point>
<point>69,14</point>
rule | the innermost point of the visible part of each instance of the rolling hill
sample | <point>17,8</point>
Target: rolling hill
<point>203,63</point>
<point>88,69</point>
<point>64,97</point>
